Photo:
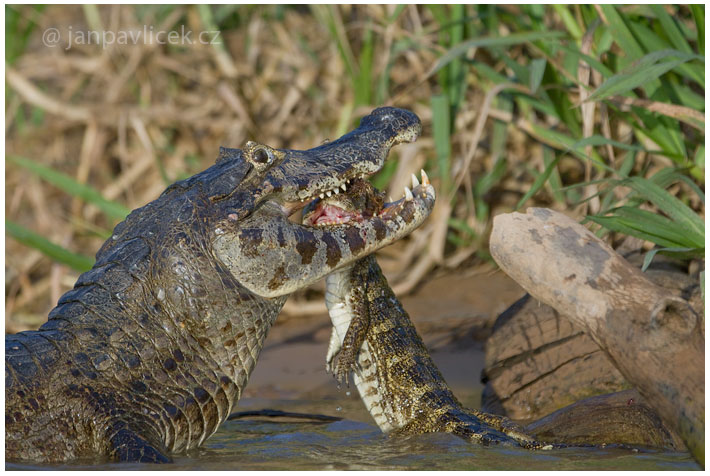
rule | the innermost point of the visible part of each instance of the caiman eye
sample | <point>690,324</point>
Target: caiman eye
<point>260,155</point>
<point>263,156</point>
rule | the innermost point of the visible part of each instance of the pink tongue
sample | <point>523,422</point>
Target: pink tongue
<point>330,213</point>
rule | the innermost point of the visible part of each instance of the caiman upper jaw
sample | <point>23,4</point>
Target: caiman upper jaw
<point>328,169</point>
<point>243,180</point>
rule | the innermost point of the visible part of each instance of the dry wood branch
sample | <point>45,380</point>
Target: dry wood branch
<point>685,114</point>
<point>226,92</point>
<point>33,95</point>
<point>584,74</point>
<point>653,338</point>
<point>304,308</point>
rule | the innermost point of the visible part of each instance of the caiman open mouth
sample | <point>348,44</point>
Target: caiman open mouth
<point>278,258</point>
<point>333,211</point>
<point>331,214</point>
<point>290,208</point>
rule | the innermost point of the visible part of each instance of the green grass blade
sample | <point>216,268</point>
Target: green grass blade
<point>457,77</point>
<point>491,178</point>
<point>645,70</point>
<point>509,40</point>
<point>621,34</point>
<point>462,226</point>
<point>539,182</point>
<point>594,63</point>
<point>597,140</point>
<point>669,175</point>
<point>17,31</point>
<point>664,131</point>
<point>520,72</point>
<point>363,80</point>
<point>683,252</point>
<point>555,181</point>
<point>569,21</point>
<point>93,17</point>
<point>71,186</point>
<point>670,28</point>
<point>566,144</point>
<point>698,171</point>
<point>382,178</point>
<point>656,224</point>
<point>699,17</point>
<point>221,53</point>
<point>543,106</point>
<point>537,70</point>
<point>653,42</point>
<point>442,138</point>
<point>396,13</point>
<point>621,225</point>
<point>52,250</point>
<point>326,16</point>
<point>671,206</point>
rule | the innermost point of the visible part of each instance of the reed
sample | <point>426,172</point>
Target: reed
<point>597,110</point>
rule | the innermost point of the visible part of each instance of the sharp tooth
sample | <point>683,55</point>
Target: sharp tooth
<point>389,199</point>
<point>336,190</point>
<point>329,193</point>
<point>345,189</point>
<point>415,182</point>
<point>322,196</point>
<point>408,194</point>
<point>425,178</point>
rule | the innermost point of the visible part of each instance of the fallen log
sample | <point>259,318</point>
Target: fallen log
<point>653,338</point>
<point>621,418</point>
<point>538,362</point>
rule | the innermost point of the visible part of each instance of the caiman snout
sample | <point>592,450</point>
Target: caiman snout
<point>400,124</point>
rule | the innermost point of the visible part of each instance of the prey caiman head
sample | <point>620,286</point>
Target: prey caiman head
<point>272,256</point>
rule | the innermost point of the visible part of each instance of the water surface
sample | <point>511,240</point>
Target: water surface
<point>264,444</point>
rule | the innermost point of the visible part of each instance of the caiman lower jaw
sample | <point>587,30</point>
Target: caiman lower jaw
<point>276,257</point>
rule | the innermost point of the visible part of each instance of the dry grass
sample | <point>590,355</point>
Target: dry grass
<point>131,119</point>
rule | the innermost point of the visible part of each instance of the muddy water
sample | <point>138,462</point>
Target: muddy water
<point>450,313</point>
<point>355,445</point>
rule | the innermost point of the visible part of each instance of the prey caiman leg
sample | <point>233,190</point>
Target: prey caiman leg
<point>345,350</point>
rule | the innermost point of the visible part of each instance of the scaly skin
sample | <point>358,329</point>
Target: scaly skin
<point>150,351</point>
<point>397,380</point>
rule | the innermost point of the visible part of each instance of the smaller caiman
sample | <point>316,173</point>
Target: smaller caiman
<point>374,338</point>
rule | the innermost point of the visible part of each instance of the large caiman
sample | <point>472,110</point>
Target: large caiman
<point>153,346</point>
<point>374,338</point>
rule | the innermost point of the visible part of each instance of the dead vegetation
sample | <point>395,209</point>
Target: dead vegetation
<point>129,119</point>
